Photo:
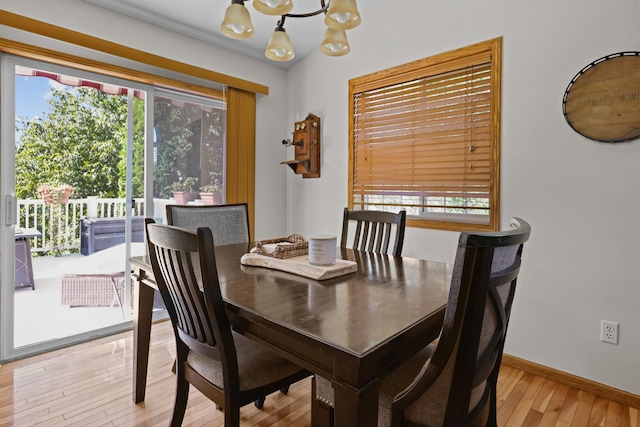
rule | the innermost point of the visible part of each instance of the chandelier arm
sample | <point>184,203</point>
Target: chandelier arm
<point>323,9</point>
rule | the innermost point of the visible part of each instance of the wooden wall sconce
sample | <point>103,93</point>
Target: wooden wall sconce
<point>306,140</point>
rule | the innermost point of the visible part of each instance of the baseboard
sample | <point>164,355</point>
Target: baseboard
<point>605,391</point>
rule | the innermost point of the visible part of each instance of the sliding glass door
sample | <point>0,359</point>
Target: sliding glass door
<point>84,159</point>
<point>73,203</point>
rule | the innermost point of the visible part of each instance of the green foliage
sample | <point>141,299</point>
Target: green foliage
<point>81,141</point>
<point>186,183</point>
<point>137,184</point>
<point>214,187</point>
<point>189,143</point>
<point>78,143</point>
<point>174,132</point>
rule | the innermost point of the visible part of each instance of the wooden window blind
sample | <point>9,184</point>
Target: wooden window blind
<point>425,138</point>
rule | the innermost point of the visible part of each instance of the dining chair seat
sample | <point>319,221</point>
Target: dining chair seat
<point>257,366</point>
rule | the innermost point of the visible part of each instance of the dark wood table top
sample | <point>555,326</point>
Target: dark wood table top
<point>351,329</point>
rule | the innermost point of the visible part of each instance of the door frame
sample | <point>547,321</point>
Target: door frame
<point>7,188</point>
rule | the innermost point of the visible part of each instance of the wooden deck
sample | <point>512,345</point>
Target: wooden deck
<point>40,315</point>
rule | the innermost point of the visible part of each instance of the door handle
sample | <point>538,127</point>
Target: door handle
<point>10,210</point>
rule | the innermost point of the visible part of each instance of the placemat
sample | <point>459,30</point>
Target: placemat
<point>300,265</point>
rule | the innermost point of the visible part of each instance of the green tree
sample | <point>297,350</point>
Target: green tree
<point>190,143</point>
<point>137,183</point>
<point>78,143</point>
<point>82,142</point>
<point>174,131</point>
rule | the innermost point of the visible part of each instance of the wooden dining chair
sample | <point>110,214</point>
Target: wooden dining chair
<point>453,383</point>
<point>373,230</point>
<point>228,223</point>
<point>225,366</point>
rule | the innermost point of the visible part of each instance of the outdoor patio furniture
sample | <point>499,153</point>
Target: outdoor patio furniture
<point>97,234</point>
<point>97,280</point>
<point>93,290</point>
<point>23,269</point>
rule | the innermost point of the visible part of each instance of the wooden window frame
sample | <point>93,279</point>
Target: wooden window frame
<point>370,183</point>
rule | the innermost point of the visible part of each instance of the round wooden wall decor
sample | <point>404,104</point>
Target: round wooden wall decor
<point>602,102</point>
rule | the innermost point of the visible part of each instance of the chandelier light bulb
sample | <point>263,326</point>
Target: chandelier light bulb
<point>342,15</point>
<point>273,7</point>
<point>237,22</point>
<point>334,43</point>
<point>279,47</point>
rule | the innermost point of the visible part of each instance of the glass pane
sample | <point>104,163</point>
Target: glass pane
<point>188,151</point>
<point>70,174</point>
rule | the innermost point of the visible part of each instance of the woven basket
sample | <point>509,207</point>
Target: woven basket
<point>298,246</point>
<point>92,290</point>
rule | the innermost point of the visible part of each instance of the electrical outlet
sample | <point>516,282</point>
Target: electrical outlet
<point>609,332</point>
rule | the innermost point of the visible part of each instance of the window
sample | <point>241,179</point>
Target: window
<point>425,137</point>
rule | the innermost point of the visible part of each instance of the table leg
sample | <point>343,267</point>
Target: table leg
<point>353,408</point>
<point>142,313</point>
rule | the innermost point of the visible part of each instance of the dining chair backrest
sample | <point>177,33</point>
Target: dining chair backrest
<point>228,223</point>
<point>373,231</point>
<point>188,279</point>
<point>457,385</point>
<point>225,366</point>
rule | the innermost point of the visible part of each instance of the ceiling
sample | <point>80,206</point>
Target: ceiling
<point>201,19</point>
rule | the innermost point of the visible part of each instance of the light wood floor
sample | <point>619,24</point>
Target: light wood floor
<point>90,385</point>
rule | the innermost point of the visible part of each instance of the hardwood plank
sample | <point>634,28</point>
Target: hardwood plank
<point>512,401</point>
<point>503,391</point>
<point>629,417</point>
<point>522,410</point>
<point>568,410</point>
<point>599,412</point>
<point>583,410</point>
<point>614,415</point>
<point>552,411</point>
<point>544,396</point>
<point>532,419</point>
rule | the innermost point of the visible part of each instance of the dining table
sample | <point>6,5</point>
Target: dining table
<point>352,329</point>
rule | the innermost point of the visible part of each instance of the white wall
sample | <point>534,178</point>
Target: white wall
<point>86,18</point>
<point>581,197</point>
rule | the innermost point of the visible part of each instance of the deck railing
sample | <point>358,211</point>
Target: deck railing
<point>60,223</point>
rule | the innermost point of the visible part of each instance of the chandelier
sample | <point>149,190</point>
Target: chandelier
<point>340,15</point>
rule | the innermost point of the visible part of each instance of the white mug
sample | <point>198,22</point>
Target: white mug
<point>322,250</point>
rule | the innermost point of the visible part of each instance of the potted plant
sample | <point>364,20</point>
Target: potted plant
<point>55,194</point>
<point>184,190</point>
<point>211,194</point>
